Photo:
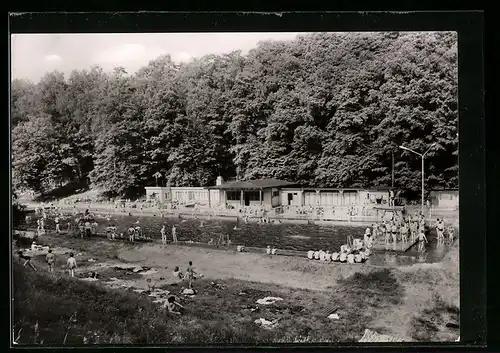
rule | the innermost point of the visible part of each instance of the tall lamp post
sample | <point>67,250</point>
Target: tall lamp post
<point>423,157</point>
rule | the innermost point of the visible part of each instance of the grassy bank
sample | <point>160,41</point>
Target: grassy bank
<point>415,303</point>
<point>72,311</point>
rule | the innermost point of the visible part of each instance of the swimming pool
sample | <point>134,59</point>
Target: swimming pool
<point>300,237</point>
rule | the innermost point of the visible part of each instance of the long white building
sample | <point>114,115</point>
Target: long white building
<point>269,193</point>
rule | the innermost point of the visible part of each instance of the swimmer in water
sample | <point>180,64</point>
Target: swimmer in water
<point>451,233</point>
<point>421,239</point>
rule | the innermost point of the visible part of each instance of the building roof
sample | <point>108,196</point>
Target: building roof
<point>381,188</point>
<point>444,189</point>
<point>253,184</point>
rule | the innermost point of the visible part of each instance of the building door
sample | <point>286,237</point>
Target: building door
<point>247,199</point>
<point>290,199</point>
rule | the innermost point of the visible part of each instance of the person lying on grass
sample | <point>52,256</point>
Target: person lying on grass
<point>178,275</point>
<point>151,287</point>
<point>27,260</point>
<point>171,305</point>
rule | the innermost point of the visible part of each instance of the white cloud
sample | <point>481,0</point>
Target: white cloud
<point>181,57</point>
<point>126,53</point>
<point>53,57</point>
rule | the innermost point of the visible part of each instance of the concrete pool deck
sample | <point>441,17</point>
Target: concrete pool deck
<point>212,214</point>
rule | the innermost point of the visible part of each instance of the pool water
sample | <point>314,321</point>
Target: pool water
<point>300,237</point>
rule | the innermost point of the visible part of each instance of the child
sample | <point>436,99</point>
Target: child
<point>163,235</point>
<point>335,256</point>
<point>328,256</point>
<point>316,255</point>
<point>451,233</point>
<point>174,234</point>
<point>50,259</point>
<point>310,254</point>
<point>27,260</point>
<point>190,271</point>
<point>322,256</point>
<point>440,229</point>
<point>268,250</point>
<point>71,264</point>
<point>171,305</point>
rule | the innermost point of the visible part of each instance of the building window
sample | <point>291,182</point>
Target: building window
<point>233,195</point>
<point>253,195</point>
<point>276,193</point>
<point>191,195</point>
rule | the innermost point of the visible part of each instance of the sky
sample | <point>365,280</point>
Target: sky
<point>33,55</point>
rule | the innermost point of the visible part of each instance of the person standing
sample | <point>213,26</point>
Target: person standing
<point>174,234</point>
<point>71,264</point>
<point>190,271</point>
<point>451,233</point>
<point>88,228</point>
<point>163,235</point>
<point>50,260</point>
<point>421,239</point>
<point>440,229</point>
<point>42,226</point>
<point>131,233</point>
<point>404,232</point>
<point>56,220</point>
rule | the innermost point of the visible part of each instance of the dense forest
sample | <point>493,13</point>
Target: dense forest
<point>325,109</point>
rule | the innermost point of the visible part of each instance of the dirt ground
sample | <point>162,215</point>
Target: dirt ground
<point>422,283</point>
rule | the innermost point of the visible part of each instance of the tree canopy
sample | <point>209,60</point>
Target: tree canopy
<point>325,109</point>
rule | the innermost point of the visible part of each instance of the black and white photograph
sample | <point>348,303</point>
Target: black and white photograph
<point>222,188</point>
